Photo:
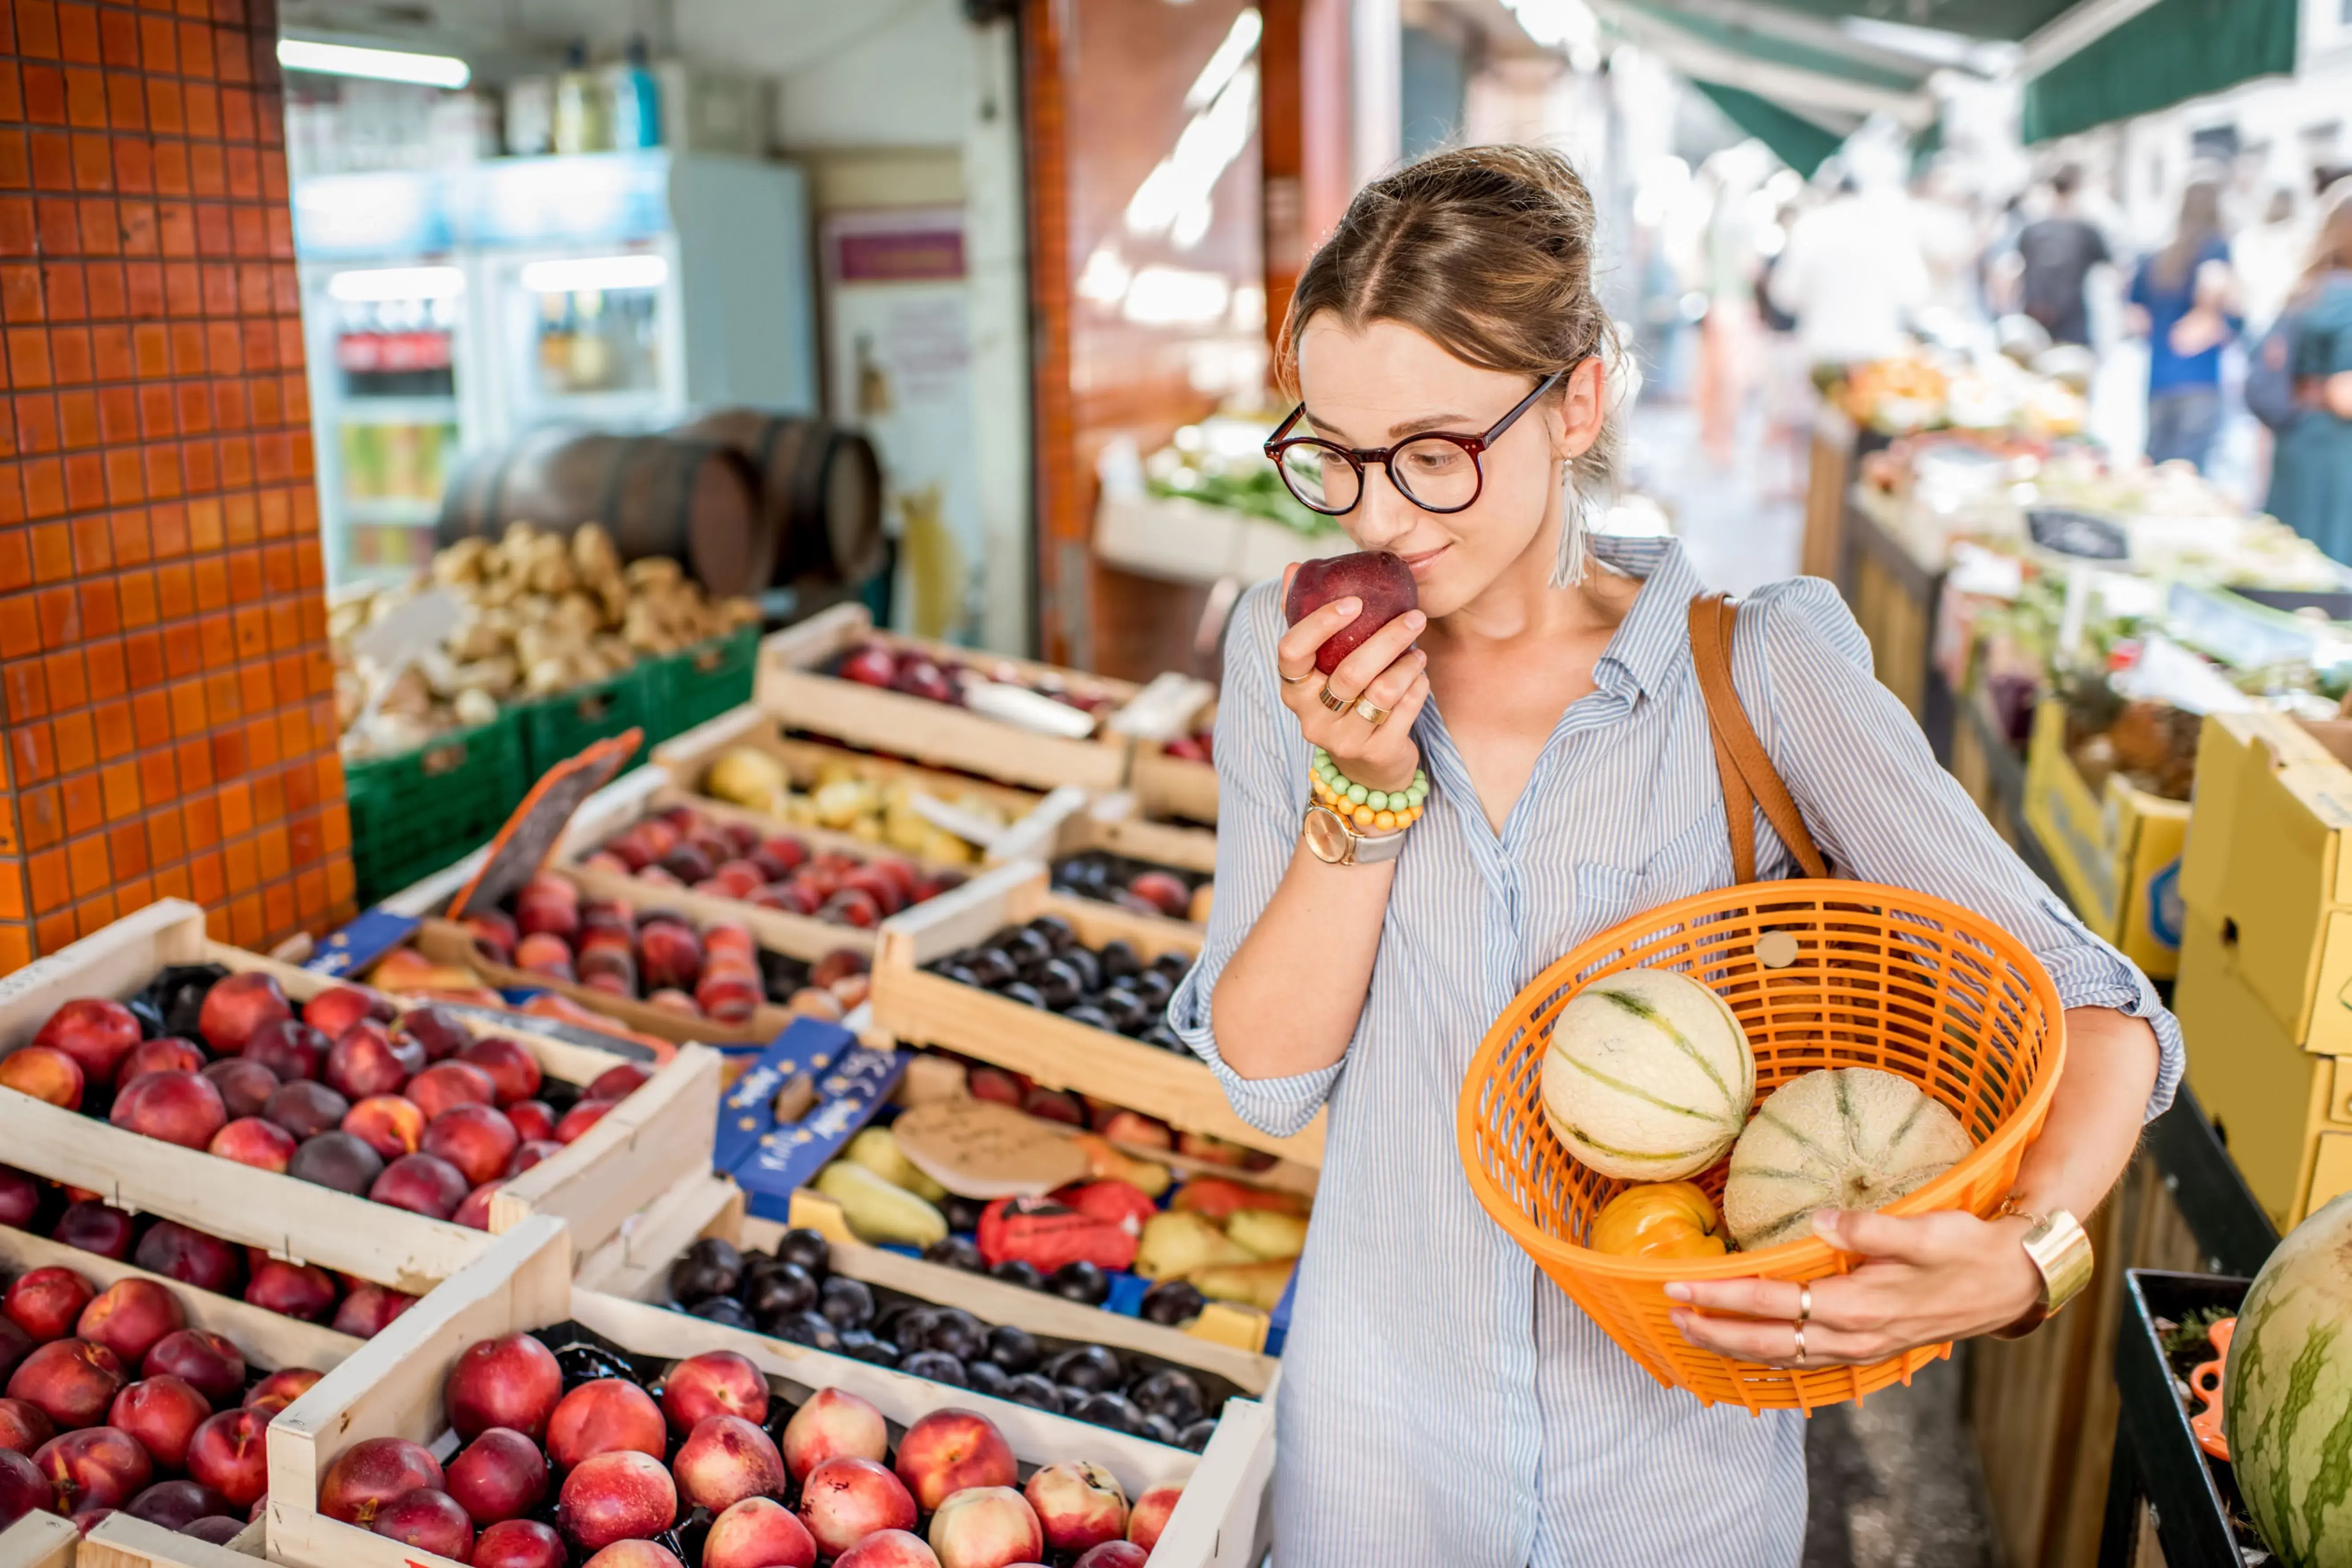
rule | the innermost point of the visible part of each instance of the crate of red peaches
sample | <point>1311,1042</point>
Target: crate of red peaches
<point>626,1437</point>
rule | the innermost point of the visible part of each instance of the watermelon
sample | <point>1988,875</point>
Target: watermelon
<point>2286,1403</point>
<point>1647,1076</point>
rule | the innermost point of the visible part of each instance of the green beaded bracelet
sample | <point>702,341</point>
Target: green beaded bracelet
<point>1412,795</point>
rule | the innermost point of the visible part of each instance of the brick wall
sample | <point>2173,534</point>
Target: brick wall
<point>168,698</point>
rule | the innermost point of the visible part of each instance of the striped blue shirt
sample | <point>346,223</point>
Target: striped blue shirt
<point>1441,1401</point>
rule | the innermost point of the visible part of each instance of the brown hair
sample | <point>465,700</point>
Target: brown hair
<point>2201,224</point>
<point>1485,251</point>
<point>2331,247</point>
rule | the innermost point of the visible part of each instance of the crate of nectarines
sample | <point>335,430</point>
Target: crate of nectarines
<point>325,1123</point>
<point>584,1428</point>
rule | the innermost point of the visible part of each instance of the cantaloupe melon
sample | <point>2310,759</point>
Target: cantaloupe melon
<point>1840,1138</point>
<point>1647,1076</point>
<point>2286,1402</point>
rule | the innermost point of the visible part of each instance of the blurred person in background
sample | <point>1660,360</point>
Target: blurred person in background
<point>2269,258</point>
<point>2182,302</point>
<point>2054,255</point>
<point>1787,390</point>
<point>2310,471</point>
<point>1852,275</point>
<point>1947,238</point>
<point>1727,338</point>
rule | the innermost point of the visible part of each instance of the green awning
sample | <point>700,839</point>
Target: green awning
<point>2176,49</point>
<point>1758,44</point>
<point>1796,141</point>
<point>2008,20</point>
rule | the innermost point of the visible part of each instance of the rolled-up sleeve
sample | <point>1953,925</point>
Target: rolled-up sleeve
<point>1882,810</point>
<point>1261,794</point>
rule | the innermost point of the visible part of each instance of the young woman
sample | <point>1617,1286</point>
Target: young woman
<point>2181,301</point>
<point>2311,470</point>
<point>1441,1401</point>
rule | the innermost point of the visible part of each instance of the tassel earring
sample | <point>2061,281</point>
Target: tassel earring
<point>1567,565</point>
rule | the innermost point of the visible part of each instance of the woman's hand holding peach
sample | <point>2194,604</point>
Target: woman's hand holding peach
<point>1387,671</point>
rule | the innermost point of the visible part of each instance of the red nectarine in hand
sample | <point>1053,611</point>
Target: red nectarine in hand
<point>1379,577</point>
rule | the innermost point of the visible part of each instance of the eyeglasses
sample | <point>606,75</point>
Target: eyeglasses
<point>1437,471</point>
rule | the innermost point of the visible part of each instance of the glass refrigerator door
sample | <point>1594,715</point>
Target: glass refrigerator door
<point>590,340</point>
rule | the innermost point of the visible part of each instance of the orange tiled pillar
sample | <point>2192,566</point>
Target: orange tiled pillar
<point>163,666</point>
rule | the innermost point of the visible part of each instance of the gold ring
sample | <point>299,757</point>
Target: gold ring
<point>1293,680</point>
<point>1798,1329</point>
<point>1805,1303</point>
<point>1332,699</point>
<point>1372,712</point>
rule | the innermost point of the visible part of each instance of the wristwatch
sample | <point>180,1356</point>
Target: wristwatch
<point>1336,841</point>
<point>2061,1253</point>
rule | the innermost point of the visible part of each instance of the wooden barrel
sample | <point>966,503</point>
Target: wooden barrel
<point>695,501</point>
<point>820,490</point>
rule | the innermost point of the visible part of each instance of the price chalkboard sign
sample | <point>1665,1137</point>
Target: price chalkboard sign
<point>2082,534</point>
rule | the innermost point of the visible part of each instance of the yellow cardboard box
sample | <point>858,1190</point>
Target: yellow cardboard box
<point>2231,748</point>
<point>2117,850</point>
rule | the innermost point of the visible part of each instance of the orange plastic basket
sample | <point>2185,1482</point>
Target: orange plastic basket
<point>1883,977</point>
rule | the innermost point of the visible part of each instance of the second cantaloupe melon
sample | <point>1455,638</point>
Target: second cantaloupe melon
<point>1837,1138</point>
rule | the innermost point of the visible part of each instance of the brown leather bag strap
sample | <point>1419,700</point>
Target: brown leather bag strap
<point>1750,780</point>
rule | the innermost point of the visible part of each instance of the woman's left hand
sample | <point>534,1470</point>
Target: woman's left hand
<point>1924,1279</point>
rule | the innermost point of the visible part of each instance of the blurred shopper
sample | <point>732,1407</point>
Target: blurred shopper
<point>1852,275</point>
<point>2182,303</point>
<point>2269,258</point>
<point>2311,472</point>
<point>1727,345</point>
<point>2054,256</point>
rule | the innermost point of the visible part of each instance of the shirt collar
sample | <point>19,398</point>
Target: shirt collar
<point>1651,643</point>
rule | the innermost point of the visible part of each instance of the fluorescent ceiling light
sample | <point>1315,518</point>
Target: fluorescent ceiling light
<point>579,275</point>
<point>383,283</point>
<point>383,64</point>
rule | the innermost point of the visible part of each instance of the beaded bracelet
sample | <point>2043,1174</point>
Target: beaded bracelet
<point>1371,810</point>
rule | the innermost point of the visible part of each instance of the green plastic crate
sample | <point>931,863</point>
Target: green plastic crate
<point>415,813</point>
<point>562,726</point>
<point>704,681</point>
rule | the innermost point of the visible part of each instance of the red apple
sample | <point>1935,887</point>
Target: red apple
<point>369,1310</point>
<point>72,1381</point>
<point>724,1461</point>
<point>24,1427</point>
<point>389,1124</point>
<point>288,1048</point>
<point>519,1543</point>
<point>370,1474</point>
<point>845,1499</point>
<point>251,1141</point>
<point>46,1073</point>
<point>175,1505</point>
<point>511,1381</point>
<point>835,1424</point>
<point>130,1317</point>
<point>46,1302</point>
<point>474,1214</point>
<point>620,1495</point>
<point>180,1108</point>
<point>97,1467</point>
<point>429,1521</point>
<point>96,1032</point>
<point>421,1184</point>
<point>1149,1515</point>
<point>888,1549</point>
<point>1111,1554</point>
<point>716,1383</point>
<point>245,1086</point>
<point>293,1289</point>
<point>170,1054</point>
<point>366,1059</point>
<point>447,1084</point>
<point>500,1475</point>
<point>437,1029</point>
<point>759,1533</point>
<point>338,1007</point>
<point>90,1226</point>
<point>205,1361</point>
<point>281,1389</point>
<point>985,1527</point>
<point>602,1416</point>
<point>952,1450</point>
<point>477,1139</point>
<point>1077,1505</point>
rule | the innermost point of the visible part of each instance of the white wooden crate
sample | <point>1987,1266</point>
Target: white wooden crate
<point>45,1540</point>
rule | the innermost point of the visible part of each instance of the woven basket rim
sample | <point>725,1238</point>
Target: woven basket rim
<point>1807,1258</point>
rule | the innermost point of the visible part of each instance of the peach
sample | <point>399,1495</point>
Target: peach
<point>207,1362</point>
<point>670,999</point>
<point>952,1450</point>
<point>495,935</point>
<point>370,1474</point>
<point>229,1454</point>
<point>477,1139</point>
<point>835,1424</point>
<point>130,1317</point>
<point>500,1475</point>
<point>716,1383</point>
<point>889,1549</point>
<point>728,998</point>
<point>15,1344</point>
<point>546,955</point>
<point>168,1054</point>
<point>811,1002</point>
<point>519,1543</point>
<point>97,1467</point>
<point>838,965</point>
<point>602,1417</point>
<point>368,1310</point>
<point>250,1140</point>
<point>985,1527</point>
<point>245,1086</point>
<point>238,1006</point>
<point>618,1082</point>
<point>421,1184</point>
<point>176,1107</point>
<point>530,1152</point>
<point>451,1083</point>
<point>71,1381</point>
<point>24,1426</point>
<point>219,1529</point>
<point>759,1533</point>
<point>175,1505</point>
<point>845,1499</point>
<point>288,1048</point>
<point>281,1389</point>
<point>366,1059</point>
<point>338,1007</point>
<point>20,1197</point>
<point>45,1073</point>
<point>436,1029</point>
<point>1380,578</point>
<point>474,1214</point>
<point>724,1461</point>
<point>90,1226</point>
<point>337,1160</point>
<point>511,1381</point>
<point>390,1124</point>
<point>514,1071</point>
<point>633,1555</point>
<point>670,953</point>
<point>1077,1505</point>
<point>306,1109</point>
<point>46,1302</point>
<point>1114,1554</point>
<point>1150,1516</point>
<point>581,1118</point>
<point>429,1521</point>
<point>621,1495</point>
<point>96,1032</point>
<point>293,1289</point>
<point>532,1119</point>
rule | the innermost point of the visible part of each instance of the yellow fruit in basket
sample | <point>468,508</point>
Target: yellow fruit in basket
<point>1267,1233</point>
<point>878,1211</point>
<point>880,1152</point>
<point>1647,1076</point>
<point>1837,1138</point>
<point>1176,1242</point>
<point>1659,1219</point>
<point>839,804</point>
<point>746,776</point>
<point>1258,1285</point>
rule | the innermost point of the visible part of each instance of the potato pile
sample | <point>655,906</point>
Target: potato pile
<point>545,612</point>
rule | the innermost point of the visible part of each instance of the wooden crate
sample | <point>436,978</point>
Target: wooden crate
<point>658,1134</point>
<point>1114,824</point>
<point>921,1008</point>
<point>48,1541</point>
<point>393,1388</point>
<point>791,688</point>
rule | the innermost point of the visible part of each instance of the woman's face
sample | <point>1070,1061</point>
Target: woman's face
<point>1378,387</point>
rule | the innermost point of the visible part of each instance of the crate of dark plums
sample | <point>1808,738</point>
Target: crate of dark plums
<point>2199,1517</point>
<point>1071,992</point>
<point>276,1109</point>
<point>576,1420</point>
<point>1110,852</point>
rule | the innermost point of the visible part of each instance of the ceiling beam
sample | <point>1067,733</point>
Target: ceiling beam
<point>2074,30</point>
<point>1792,88</point>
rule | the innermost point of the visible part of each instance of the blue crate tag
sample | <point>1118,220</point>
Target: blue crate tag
<point>354,949</point>
<point>852,1082</point>
<point>746,1111</point>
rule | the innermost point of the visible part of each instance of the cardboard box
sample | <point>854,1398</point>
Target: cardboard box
<point>2117,848</point>
<point>2255,1083</point>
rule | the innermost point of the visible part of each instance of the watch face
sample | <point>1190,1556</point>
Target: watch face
<point>1326,836</point>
